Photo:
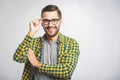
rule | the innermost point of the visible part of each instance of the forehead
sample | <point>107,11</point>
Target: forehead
<point>50,15</point>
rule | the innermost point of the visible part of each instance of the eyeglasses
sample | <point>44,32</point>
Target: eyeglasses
<point>47,21</point>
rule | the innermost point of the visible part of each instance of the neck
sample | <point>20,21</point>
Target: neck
<point>52,39</point>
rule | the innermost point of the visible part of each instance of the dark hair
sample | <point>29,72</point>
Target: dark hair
<point>50,8</point>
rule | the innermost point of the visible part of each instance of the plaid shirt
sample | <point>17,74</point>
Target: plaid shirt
<point>68,53</point>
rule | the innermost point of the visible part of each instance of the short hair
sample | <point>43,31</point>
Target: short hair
<point>50,8</point>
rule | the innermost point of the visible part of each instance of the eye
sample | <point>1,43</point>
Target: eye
<point>45,20</point>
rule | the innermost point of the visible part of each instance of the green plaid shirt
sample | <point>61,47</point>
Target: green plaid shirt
<point>68,53</point>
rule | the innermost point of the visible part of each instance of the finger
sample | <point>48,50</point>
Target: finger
<point>29,52</point>
<point>31,23</point>
<point>30,49</point>
<point>39,20</point>
<point>36,22</point>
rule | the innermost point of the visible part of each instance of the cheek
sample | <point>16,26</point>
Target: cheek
<point>44,26</point>
<point>58,25</point>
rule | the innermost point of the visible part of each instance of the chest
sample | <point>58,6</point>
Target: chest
<point>49,53</point>
<point>60,53</point>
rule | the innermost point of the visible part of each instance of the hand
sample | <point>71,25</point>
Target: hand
<point>32,58</point>
<point>34,26</point>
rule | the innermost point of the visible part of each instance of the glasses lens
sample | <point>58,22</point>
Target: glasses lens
<point>45,21</point>
<point>54,21</point>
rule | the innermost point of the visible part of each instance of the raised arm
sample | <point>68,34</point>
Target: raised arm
<point>21,52</point>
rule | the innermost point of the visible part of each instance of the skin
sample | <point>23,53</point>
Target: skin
<point>51,32</point>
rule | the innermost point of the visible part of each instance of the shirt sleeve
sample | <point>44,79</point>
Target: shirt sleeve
<point>66,67</point>
<point>20,54</point>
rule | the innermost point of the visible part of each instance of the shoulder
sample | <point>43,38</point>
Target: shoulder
<point>70,44</point>
<point>67,39</point>
<point>37,39</point>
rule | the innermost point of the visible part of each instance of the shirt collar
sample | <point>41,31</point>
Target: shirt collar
<point>59,40</point>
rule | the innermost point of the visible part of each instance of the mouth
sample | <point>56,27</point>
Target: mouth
<point>51,29</point>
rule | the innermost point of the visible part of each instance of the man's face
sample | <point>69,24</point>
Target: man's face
<point>51,23</point>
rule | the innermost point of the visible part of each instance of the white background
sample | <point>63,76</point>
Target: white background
<point>95,24</point>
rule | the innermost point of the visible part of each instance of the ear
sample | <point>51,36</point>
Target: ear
<point>61,20</point>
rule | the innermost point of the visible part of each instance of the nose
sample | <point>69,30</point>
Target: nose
<point>50,24</point>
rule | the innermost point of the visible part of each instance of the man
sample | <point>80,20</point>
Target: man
<point>52,56</point>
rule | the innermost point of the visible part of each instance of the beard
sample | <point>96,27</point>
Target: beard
<point>50,34</point>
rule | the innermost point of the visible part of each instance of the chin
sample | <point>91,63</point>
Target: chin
<point>51,35</point>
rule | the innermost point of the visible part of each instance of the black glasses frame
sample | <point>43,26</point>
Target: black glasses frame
<point>47,21</point>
